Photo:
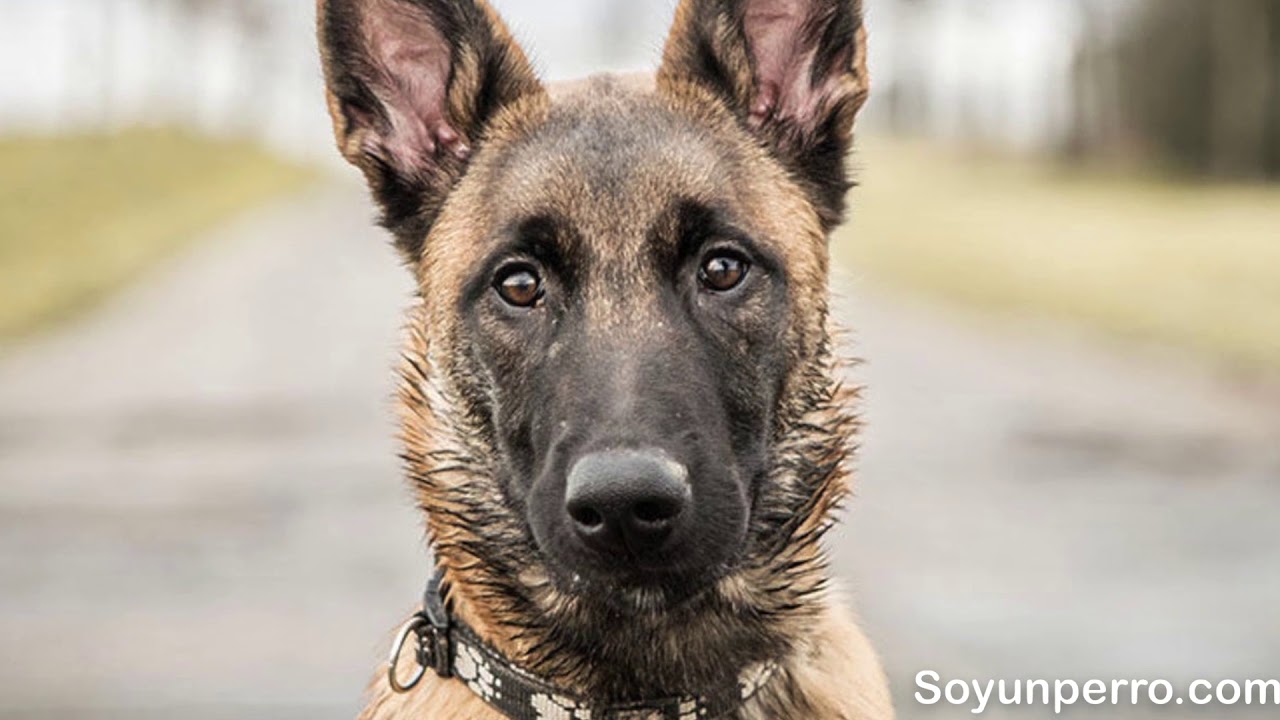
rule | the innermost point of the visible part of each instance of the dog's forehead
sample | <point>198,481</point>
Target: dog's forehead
<point>610,157</point>
<point>615,160</point>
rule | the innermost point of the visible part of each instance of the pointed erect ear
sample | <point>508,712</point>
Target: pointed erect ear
<point>793,71</point>
<point>411,87</point>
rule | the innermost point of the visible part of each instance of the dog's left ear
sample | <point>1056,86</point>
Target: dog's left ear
<point>793,71</point>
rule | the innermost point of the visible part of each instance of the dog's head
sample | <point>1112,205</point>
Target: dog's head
<point>619,386</point>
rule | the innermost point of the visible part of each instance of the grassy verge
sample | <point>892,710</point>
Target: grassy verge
<point>1187,264</point>
<point>81,215</point>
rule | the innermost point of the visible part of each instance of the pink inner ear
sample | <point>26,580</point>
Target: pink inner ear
<point>414,61</point>
<point>775,32</point>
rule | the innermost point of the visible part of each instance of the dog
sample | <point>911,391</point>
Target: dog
<point>620,405</point>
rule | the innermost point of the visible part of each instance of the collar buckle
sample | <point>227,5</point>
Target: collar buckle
<point>430,627</point>
<point>435,641</point>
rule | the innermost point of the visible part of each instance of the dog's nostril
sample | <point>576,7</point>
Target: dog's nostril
<point>586,516</point>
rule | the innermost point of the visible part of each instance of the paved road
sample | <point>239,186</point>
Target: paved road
<point>200,514</point>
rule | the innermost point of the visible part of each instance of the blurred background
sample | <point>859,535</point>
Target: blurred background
<point>1062,268</point>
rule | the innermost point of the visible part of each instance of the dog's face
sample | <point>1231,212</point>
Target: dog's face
<point>629,317</point>
<point>623,281</point>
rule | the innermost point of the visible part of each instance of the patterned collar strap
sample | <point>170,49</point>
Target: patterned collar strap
<point>451,649</point>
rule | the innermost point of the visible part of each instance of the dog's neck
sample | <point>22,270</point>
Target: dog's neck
<point>451,648</point>
<point>603,653</point>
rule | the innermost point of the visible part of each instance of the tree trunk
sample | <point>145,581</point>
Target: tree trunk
<point>1238,88</point>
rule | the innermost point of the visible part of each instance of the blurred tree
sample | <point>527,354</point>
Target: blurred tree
<point>1241,83</point>
<point>1094,114</point>
<point>110,28</point>
<point>1197,85</point>
<point>905,96</point>
<point>252,22</point>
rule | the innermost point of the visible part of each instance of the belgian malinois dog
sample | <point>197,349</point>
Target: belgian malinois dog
<point>621,411</point>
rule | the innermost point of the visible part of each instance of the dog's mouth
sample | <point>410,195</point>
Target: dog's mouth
<point>641,584</point>
<point>638,590</point>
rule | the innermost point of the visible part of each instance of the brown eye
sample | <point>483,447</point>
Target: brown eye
<point>722,272</point>
<point>519,286</point>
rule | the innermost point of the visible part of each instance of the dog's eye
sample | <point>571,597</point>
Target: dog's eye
<point>722,272</point>
<point>518,285</point>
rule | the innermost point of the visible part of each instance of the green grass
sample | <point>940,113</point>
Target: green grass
<point>1192,265</point>
<point>80,216</point>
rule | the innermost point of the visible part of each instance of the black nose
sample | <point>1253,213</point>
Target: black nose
<point>626,501</point>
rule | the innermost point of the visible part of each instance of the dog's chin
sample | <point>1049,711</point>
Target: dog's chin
<point>638,591</point>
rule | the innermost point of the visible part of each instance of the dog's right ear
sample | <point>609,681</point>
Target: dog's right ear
<point>411,86</point>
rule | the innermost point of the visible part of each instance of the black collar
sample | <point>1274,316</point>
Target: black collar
<point>448,647</point>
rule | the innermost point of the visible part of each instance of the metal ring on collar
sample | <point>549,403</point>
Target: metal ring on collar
<point>411,627</point>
